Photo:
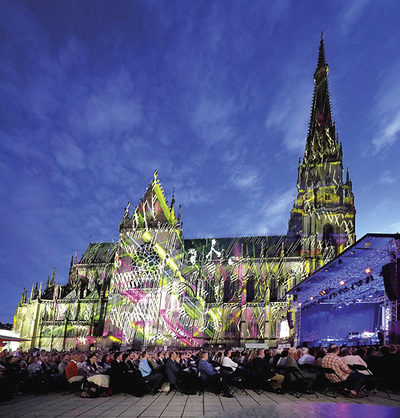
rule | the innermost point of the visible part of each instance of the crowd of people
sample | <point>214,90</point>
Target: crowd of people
<point>105,373</point>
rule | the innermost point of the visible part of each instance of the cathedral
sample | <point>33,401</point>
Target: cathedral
<point>156,288</point>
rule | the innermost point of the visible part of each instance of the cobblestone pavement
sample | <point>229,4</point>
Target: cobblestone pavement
<point>244,404</point>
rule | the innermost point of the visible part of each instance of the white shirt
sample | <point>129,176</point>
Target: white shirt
<point>227,362</point>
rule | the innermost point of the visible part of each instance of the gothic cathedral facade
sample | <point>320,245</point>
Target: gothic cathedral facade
<point>155,288</point>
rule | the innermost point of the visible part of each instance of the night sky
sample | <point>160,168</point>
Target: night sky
<point>215,95</point>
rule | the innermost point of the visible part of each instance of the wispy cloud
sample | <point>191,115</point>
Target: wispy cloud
<point>351,12</point>
<point>386,110</point>
<point>288,116</point>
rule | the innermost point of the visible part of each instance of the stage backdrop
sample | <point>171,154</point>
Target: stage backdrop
<point>321,322</point>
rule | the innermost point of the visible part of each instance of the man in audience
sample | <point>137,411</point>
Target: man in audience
<point>306,358</point>
<point>64,363</point>
<point>265,369</point>
<point>152,377</point>
<point>212,375</point>
<point>71,371</point>
<point>353,381</point>
<point>173,368</point>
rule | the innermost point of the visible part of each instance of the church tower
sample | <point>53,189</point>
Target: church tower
<point>323,213</point>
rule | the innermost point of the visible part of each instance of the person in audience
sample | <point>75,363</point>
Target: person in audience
<point>154,378</point>
<point>306,358</point>
<point>266,371</point>
<point>228,362</point>
<point>95,374</point>
<point>282,360</point>
<point>291,361</point>
<point>352,381</point>
<point>173,368</point>
<point>71,371</point>
<point>63,364</point>
<point>352,359</point>
<point>212,375</point>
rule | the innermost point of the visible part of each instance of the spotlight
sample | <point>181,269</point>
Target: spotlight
<point>322,293</point>
<point>368,270</point>
<point>311,298</point>
<point>342,282</point>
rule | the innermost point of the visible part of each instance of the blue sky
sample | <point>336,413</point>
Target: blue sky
<point>215,95</point>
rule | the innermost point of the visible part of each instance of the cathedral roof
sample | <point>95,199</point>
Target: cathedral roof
<point>99,253</point>
<point>153,210</point>
<point>252,247</point>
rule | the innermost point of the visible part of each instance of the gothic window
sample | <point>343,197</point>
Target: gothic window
<point>209,288</point>
<point>229,289</point>
<point>327,236</point>
<point>250,289</point>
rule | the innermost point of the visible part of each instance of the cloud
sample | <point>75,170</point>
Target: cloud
<point>387,177</point>
<point>351,13</point>
<point>289,114</point>
<point>385,114</point>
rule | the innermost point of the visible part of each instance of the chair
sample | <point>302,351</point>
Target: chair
<point>177,386</point>
<point>335,388</point>
<point>235,380</point>
<point>148,386</point>
<point>73,387</point>
<point>296,383</point>
<point>372,381</point>
<point>257,382</point>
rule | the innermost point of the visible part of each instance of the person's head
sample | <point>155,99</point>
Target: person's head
<point>125,357</point>
<point>173,355</point>
<point>345,352</point>
<point>118,356</point>
<point>203,355</point>
<point>334,349</point>
<point>304,351</point>
<point>227,353</point>
<point>260,352</point>
<point>361,351</point>
<point>384,350</point>
<point>92,359</point>
<point>75,357</point>
<point>292,352</point>
<point>393,348</point>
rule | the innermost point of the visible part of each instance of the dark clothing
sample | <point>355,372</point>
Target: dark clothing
<point>263,367</point>
<point>173,371</point>
<point>211,375</point>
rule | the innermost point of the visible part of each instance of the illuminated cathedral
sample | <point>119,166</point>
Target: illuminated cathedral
<point>156,288</point>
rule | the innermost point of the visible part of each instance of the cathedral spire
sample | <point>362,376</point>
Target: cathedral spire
<point>321,139</point>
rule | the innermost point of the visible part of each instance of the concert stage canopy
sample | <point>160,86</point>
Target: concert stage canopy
<point>355,276</point>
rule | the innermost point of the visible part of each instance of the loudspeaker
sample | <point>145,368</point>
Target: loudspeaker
<point>390,274</point>
<point>290,319</point>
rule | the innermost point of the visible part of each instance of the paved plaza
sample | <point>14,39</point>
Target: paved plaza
<point>244,404</point>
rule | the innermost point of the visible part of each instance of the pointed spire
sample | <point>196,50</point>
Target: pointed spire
<point>53,274</point>
<point>321,132</point>
<point>173,199</point>
<point>179,213</point>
